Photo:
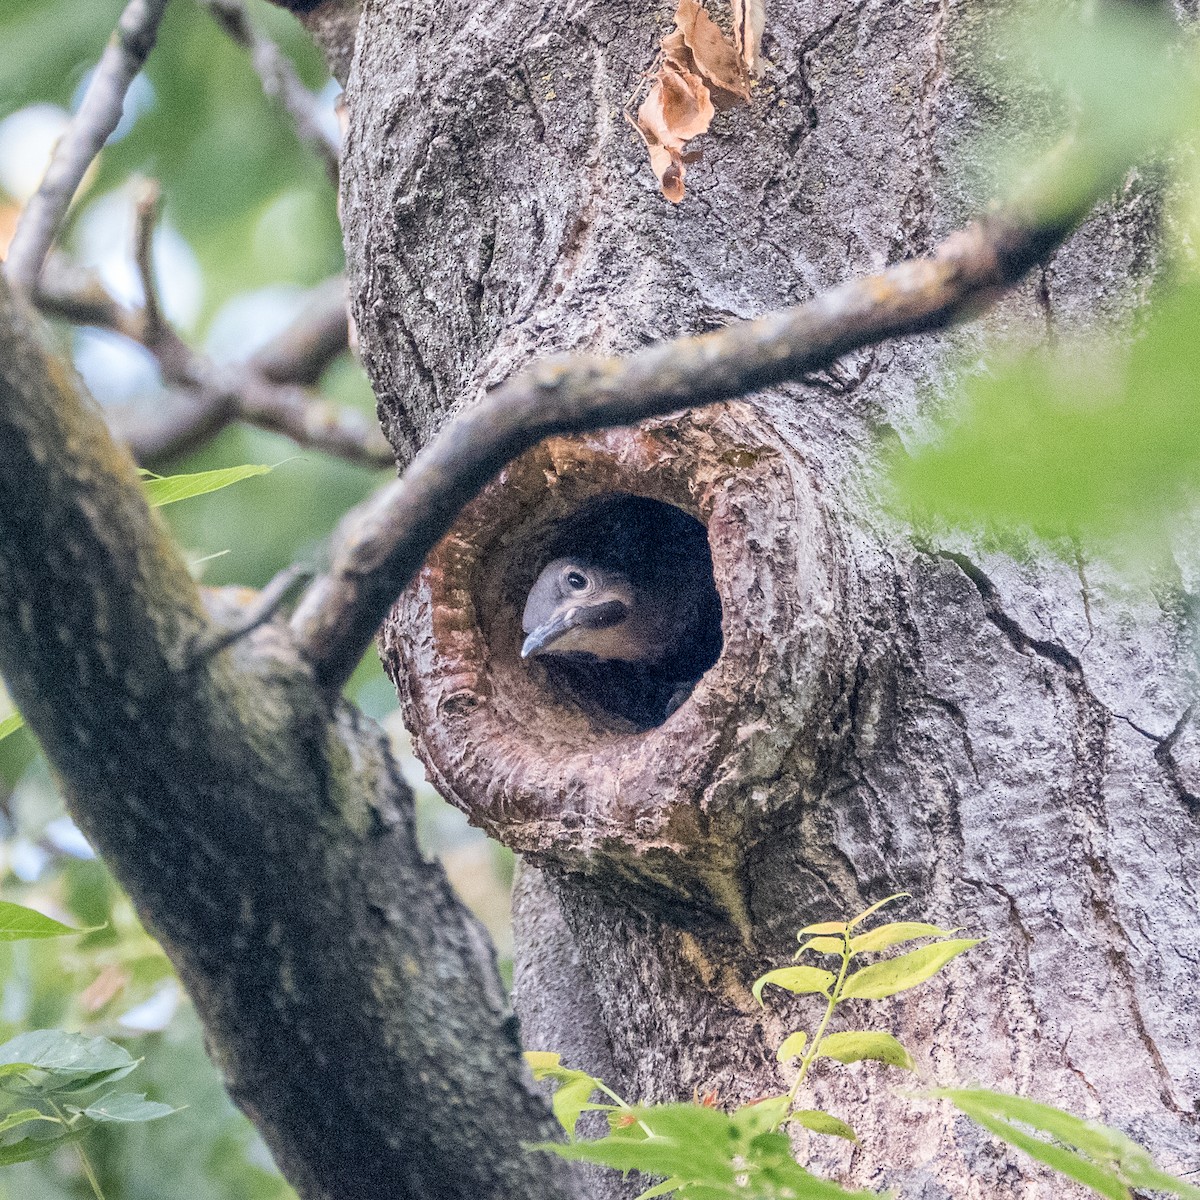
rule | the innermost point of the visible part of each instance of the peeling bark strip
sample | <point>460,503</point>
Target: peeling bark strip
<point>877,722</point>
<point>265,836</point>
<point>699,71</point>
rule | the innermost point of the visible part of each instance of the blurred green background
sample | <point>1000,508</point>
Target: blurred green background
<point>248,226</point>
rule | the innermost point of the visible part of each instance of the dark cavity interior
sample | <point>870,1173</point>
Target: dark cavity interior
<point>665,554</point>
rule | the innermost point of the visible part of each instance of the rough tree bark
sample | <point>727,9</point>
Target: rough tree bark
<point>1012,742</point>
<point>263,831</point>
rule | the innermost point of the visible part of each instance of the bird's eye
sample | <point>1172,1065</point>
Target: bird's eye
<point>577,581</point>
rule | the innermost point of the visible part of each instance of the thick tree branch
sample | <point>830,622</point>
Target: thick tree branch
<point>279,80</point>
<point>90,128</point>
<point>383,543</point>
<point>265,835</point>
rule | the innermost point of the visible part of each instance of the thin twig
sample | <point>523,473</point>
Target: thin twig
<point>205,398</point>
<point>180,365</point>
<point>279,80</point>
<point>312,341</point>
<point>184,421</point>
<point>146,218</point>
<point>76,294</point>
<point>382,543</point>
<point>90,128</point>
<point>294,412</point>
<point>257,613</point>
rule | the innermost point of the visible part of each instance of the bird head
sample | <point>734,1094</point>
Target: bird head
<point>579,608</point>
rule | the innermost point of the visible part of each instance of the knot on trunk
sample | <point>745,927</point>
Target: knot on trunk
<point>586,766</point>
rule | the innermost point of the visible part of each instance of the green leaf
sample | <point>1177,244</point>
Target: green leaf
<point>570,1099</point>
<point>660,1189</point>
<point>86,1083</point>
<point>800,980</point>
<point>1088,439</point>
<point>171,488</point>
<point>542,1063</point>
<point>823,1122</point>
<point>1067,1162</point>
<point>867,912</point>
<point>708,1153</point>
<point>690,1141</point>
<point>761,1116</point>
<point>882,937</point>
<point>792,1047</point>
<point>18,923</point>
<point>127,1108</point>
<point>822,927</point>
<point>53,1061</point>
<point>823,945</point>
<point>24,1116</point>
<point>573,1091</point>
<point>884,979</point>
<point>851,1047</point>
<point>11,724</point>
<point>1097,1155</point>
<point>56,1050</point>
<point>27,1149</point>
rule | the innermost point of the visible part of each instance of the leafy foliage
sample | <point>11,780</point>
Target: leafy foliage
<point>1101,1158</point>
<point>1087,438</point>
<point>48,1070</point>
<point>874,982</point>
<point>703,1153</point>
<point>1080,440</point>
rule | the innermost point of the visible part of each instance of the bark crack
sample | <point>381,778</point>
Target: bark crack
<point>1087,793</point>
<point>958,717</point>
<point>1165,757</point>
<point>1045,648</point>
<point>1021,641</point>
<point>1081,574</point>
<point>1045,304</point>
<point>916,216</point>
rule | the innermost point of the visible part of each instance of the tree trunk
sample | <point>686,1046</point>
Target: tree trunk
<point>1010,741</point>
<point>263,831</point>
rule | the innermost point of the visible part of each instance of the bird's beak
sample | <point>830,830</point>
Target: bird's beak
<point>550,632</point>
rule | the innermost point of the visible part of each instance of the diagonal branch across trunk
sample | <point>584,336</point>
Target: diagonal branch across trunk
<point>385,541</point>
